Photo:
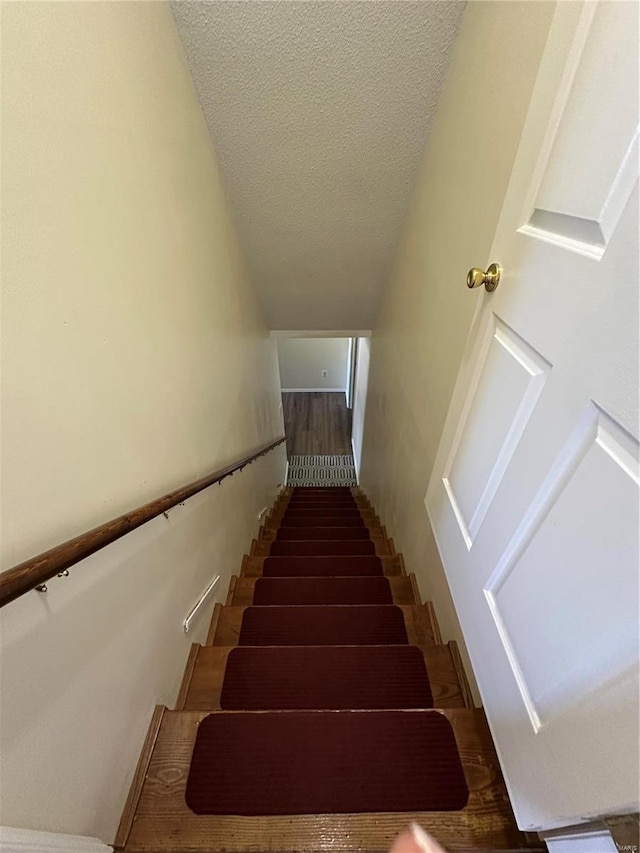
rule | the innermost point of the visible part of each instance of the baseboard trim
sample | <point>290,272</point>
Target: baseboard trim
<point>313,390</point>
<point>33,841</point>
<point>131,804</point>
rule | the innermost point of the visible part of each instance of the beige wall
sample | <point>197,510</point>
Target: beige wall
<point>302,361</point>
<point>427,308</point>
<point>134,360</point>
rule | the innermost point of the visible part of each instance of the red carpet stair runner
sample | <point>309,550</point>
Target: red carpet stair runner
<point>324,712</point>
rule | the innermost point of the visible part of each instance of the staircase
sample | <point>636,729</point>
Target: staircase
<point>324,712</point>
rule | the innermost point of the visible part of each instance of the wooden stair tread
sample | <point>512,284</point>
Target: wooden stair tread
<point>308,508</point>
<point>262,547</point>
<point>367,517</point>
<point>156,817</point>
<point>203,680</point>
<point>242,591</point>
<point>228,621</point>
<point>163,822</point>
<point>252,565</point>
<point>374,533</point>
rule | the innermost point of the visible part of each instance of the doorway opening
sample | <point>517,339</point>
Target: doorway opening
<point>323,384</point>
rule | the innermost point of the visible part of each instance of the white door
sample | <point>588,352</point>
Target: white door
<point>534,496</point>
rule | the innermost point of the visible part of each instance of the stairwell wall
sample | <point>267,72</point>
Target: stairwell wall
<point>134,360</point>
<point>426,310</point>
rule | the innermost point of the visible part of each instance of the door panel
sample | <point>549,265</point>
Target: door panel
<point>534,497</point>
<point>589,500</point>
<point>579,191</point>
<point>510,380</point>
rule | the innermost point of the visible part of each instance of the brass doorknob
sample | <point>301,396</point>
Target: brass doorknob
<point>490,278</point>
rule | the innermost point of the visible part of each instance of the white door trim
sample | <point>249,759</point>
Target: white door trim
<point>580,841</point>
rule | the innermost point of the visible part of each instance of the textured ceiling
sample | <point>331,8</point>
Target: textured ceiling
<point>319,112</point>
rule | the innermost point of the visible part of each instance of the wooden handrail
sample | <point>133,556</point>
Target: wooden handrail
<point>35,571</point>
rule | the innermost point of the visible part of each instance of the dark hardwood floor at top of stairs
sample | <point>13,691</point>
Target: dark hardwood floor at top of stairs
<point>364,696</point>
<point>316,424</point>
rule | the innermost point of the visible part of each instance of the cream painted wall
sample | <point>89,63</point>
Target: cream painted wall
<point>134,360</point>
<point>303,359</point>
<point>426,310</point>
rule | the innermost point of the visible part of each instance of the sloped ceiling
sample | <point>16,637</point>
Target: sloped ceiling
<point>319,113</point>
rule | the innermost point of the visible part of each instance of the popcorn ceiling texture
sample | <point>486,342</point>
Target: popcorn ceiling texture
<point>319,112</point>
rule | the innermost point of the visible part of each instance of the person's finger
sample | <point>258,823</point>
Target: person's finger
<point>416,840</point>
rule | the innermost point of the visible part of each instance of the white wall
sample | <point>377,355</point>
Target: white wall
<point>134,360</point>
<point>360,399</point>
<point>427,308</point>
<point>302,361</point>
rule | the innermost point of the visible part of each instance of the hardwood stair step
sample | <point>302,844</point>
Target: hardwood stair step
<point>327,511</point>
<point>320,566</point>
<point>323,518</point>
<point>321,503</point>
<point>321,495</point>
<point>319,500</point>
<point>322,590</point>
<point>322,532</point>
<point>331,509</point>
<point>305,490</point>
<point>325,678</point>
<point>226,623</point>
<point>202,684</point>
<point>157,817</point>
<point>318,495</point>
<point>320,547</point>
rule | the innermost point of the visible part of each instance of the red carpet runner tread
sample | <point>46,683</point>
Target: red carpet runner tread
<point>323,626</point>
<point>314,548</point>
<point>322,532</point>
<point>331,590</point>
<point>324,653</point>
<point>322,566</point>
<point>310,762</point>
<point>325,677</point>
